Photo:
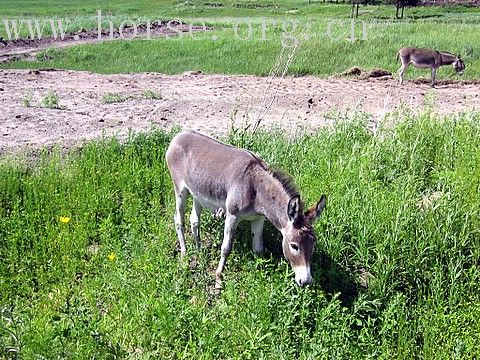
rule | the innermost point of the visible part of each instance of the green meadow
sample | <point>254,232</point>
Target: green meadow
<point>89,266</point>
<point>89,261</point>
<point>248,36</point>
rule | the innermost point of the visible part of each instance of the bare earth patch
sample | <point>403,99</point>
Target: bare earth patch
<point>209,103</point>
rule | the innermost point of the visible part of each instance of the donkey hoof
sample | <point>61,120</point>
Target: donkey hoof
<point>218,280</point>
<point>218,287</point>
<point>220,213</point>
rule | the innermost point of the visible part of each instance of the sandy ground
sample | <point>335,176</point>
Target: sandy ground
<point>209,103</point>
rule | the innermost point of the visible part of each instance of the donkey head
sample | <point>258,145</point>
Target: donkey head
<point>299,237</point>
<point>459,65</point>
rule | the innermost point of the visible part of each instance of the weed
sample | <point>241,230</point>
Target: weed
<point>152,95</point>
<point>47,54</point>
<point>50,100</point>
<point>111,98</point>
<point>27,99</point>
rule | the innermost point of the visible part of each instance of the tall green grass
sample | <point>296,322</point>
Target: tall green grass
<point>395,267</point>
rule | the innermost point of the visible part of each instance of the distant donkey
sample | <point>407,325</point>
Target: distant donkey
<point>424,58</point>
<point>236,183</point>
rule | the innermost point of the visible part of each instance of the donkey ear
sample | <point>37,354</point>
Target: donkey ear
<point>314,212</point>
<point>293,209</point>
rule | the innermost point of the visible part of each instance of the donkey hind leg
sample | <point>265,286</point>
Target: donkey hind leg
<point>434,72</point>
<point>231,222</point>
<point>257,235</point>
<point>179,217</point>
<point>195,222</point>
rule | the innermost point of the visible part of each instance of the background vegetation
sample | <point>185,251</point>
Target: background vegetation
<point>451,29</point>
<point>89,266</point>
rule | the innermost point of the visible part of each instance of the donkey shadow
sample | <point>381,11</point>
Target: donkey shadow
<point>333,278</point>
<point>329,275</point>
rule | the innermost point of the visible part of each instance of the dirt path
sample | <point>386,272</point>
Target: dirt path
<point>27,49</point>
<point>206,102</point>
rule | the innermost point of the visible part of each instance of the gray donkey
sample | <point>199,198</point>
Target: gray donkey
<point>227,179</point>
<point>424,58</point>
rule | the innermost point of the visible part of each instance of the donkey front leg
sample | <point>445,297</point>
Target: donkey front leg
<point>179,218</point>
<point>401,73</point>
<point>195,221</point>
<point>257,235</point>
<point>231,222</point>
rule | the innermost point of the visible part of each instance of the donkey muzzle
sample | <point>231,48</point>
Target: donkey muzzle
<point>302,275</point>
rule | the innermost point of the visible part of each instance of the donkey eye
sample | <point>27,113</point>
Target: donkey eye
<point>294,246</point>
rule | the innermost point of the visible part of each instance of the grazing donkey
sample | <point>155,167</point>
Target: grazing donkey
<point>234,181</point>
<point>424,58</point>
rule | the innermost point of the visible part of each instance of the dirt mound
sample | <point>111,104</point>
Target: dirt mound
<point>366,74</point>
<point>354,71</point>
<point>26,49</point>
<point>376,73</point>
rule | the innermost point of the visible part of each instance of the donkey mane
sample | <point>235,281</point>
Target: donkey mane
<point>447,53</point>
<point>286,181</point>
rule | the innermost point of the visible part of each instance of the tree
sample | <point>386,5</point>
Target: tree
<point>355,6</point>
<point>400,6</point>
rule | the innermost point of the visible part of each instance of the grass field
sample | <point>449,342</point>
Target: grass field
<point>453,29</point>
<point>216,10</point>
<point>89,267</point>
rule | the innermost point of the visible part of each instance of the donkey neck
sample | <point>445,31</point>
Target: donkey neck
<point>447,58</point>
<point>272,197</point>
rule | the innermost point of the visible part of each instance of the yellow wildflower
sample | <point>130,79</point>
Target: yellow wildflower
<point>112,256</point>
<point>64,219</point>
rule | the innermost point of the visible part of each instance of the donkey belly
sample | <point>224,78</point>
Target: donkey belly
<point>252,217</point>
<point>209,203</point>
<point>420,65</point>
